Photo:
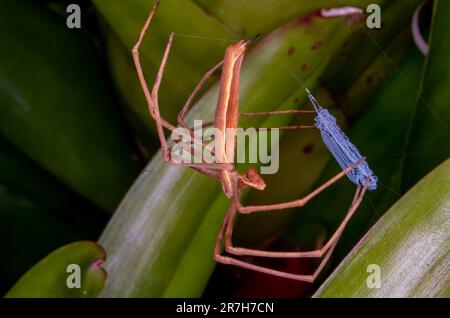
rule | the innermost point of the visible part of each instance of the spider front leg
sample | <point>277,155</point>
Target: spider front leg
<point>152,97</point>
<point>299,202</point>
<point>184,111</point>
<point>153,105</point>
<point>182,114</point>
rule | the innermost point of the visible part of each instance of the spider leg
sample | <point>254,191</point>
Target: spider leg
<point>357,199</point>
<point>152,101</point>
<point>182,114</point>
<point>229,260</point>
<point>299,202</point>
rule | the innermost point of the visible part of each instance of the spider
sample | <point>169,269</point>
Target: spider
<point>232,182</point>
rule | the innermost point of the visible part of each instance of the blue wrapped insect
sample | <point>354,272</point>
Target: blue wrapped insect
<point>341,147</point>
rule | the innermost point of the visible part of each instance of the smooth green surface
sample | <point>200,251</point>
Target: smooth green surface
<point>253,16</point>
<point>127,83</point>
<point>409,244</point>
<point>20,173</point>
<point>48,278</point>
<point>429,132</point>
<point>153,228</point>
<point>56,107</point>
<point>351,75</point>
<point>22,242</point>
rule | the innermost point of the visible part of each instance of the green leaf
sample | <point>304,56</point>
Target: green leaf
<point>52,276</point>
<point>429,133</point>
<point>253,16</point>
<point>31,231</point>
<point>130,92</point>
<point>409,244</point>
<point>152,230</point>
<point>57,109</point>
<point>20,173</point>
<point>352,73</point>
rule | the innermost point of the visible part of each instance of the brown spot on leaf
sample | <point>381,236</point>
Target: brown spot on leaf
<point>303,67</point>
<point>296,100</point>
<point>316,45</point>
<point>291,50</point>
<point>369,79</point>
<point>308,19</point>
<point>308,148</point>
